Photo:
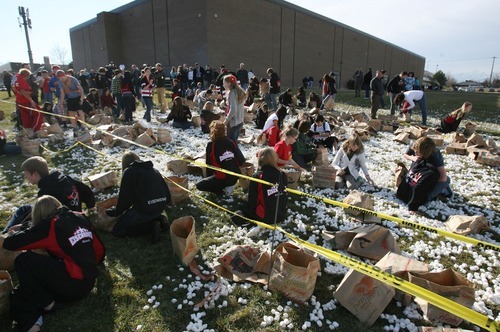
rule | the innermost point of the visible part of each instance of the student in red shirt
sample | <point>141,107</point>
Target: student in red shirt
<point>284,149</point>
<point>29,117</point>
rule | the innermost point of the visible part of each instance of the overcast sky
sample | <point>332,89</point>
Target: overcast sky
<point>459,37</point>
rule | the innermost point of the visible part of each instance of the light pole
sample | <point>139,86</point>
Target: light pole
<point>25,14</point>
<point>437,66</point>
<point>492,65</point>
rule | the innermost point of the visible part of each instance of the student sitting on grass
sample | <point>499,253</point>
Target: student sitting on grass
<point>348,162</point>
<point>262,199</point>
<point>421,178</point>
<point>67,273</point>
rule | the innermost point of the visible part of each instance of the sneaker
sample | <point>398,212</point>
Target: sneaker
<point>155,231</point>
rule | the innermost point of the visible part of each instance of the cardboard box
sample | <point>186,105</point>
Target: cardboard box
<point>365,297</point>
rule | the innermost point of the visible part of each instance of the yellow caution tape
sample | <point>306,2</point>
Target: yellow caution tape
<point>366,269</point>
<point>406,223</point>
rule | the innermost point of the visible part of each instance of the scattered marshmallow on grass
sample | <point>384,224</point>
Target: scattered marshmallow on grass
<point>476,187</point>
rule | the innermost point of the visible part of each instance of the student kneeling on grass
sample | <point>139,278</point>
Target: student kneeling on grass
<point>221,152</point>
<point>70,192</point>
<point>421,178</point>
<point>143,197</point>
<point>262,198</point>
<point>66,274</point>
<point>348,162</point>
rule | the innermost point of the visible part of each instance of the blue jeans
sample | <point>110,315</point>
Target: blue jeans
<point>148,101</point>
<point>132,222</point>
<point>182,125</point>
<point>234,132</point>
<point>440,188</point>
<point>23,213</point>
<point>11,148</point>
<point>393,106</point>
<point>274,103</point>
<point>423,107</point>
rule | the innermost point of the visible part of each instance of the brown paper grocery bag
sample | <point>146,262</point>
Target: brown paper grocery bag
<point>465,225</point>
<point>470,128</point>
<point>104,180</point>
<point>362,200</point>
<point>400,174</point>
<point>7,257</point>
<point>6,287</point>
<point>324,176</point>
<point>183,235</point>
<point>340,239</point>
<point>293,177</point>
<point>103,221</point>
<point>373,241</point>
<point>261,139</point>
<point>244,263</point>
<point>55,128</point>
<point>145,139</point>
<point>163,135</point>
<point>30,148</point>
<point>447,283</point>
<point>177,194</point>
<point>246,169</point>
<point>178,167</point>
<point>321,157</point>
<point>365,297</point>
<point>294,272</point>
<point>399,266</point>
<point>196,119</point>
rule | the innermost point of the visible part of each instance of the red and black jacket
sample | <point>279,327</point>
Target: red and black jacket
<point>66,236</point>
<point>224,154</point>
<point>262,198</point>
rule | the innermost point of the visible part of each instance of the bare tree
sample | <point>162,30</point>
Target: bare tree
<point>59,54</point>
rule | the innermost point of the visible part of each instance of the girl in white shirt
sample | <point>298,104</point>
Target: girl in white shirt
<point>348,161</point>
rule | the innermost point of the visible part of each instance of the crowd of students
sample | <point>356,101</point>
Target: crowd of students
<point>143,194</point>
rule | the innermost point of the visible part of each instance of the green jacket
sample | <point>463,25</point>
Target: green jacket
<point>301,146</point>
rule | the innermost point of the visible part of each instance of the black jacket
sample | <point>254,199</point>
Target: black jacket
<point>143,188</point>
<point>262,198</point>
<point>418,183</point>
<point>224,154</point>
<point>68,191</point>
<point>394,85</point>
<point>274,84</point>
<point>67,236</point>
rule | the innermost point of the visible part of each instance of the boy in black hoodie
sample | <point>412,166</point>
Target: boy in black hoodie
<point>70,192</point>
<point>143,197</point>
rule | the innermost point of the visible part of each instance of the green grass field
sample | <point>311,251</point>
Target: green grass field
<point>133,266</point>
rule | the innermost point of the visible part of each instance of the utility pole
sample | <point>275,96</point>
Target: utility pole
<point>25,14</point>
<point>492,65</point>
